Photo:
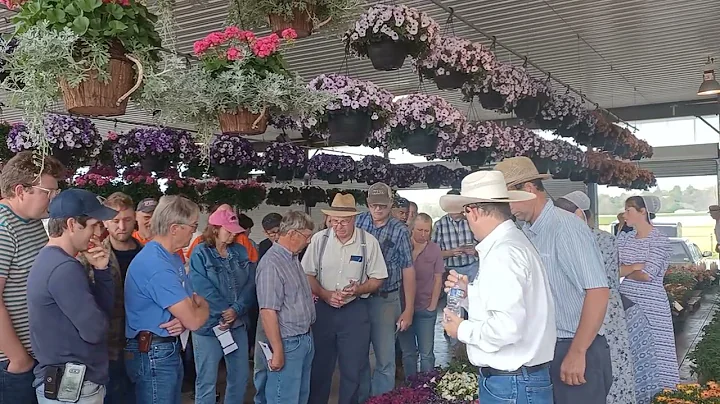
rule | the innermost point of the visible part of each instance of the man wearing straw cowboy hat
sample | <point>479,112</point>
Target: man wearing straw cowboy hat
<point>581,370</point>
<point>343,264</point>
<point>510,333</point>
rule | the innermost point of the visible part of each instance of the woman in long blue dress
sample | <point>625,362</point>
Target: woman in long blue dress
<point>615,325</point>
<point>644,258</point>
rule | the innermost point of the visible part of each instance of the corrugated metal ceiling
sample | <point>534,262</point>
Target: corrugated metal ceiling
<point>617,52</point>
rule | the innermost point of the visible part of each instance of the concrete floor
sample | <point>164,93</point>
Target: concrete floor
<point>686,337</point>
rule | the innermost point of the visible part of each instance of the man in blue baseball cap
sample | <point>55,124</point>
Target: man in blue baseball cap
<point>69,314</point>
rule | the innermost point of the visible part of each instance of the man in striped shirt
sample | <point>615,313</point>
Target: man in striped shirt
<point>25,199</point>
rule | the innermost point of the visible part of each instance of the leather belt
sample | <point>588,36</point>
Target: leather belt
<point>384,294</point>
<point>155,338</point>
<point>487,371</point>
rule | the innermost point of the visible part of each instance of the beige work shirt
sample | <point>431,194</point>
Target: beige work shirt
<point>342,262</point>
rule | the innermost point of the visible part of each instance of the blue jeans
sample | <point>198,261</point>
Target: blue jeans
<point>384,313</point>
<point>419,339</point>
<point>208,354</point>
<point>291,384</point>
<point>525,388</point>
<point>119,389</point>
<point>157,374</point>
<point>91,393</point>
<point>16,387</point>
<point>260,368</point>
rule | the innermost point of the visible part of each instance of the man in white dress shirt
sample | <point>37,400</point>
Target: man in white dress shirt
<point>510,334</point>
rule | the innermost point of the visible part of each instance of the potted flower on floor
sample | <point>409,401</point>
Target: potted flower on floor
<point>455,61</point>
<point>283,160</point>
<point>359,108</point>
<point>232,157</point>
<point>332,168</point>
<point>304,16</point>
<point>420,121</point>
<point>155,149</point>
<point>82,50</point>
<point>75,141</point>
<point>387,34</point>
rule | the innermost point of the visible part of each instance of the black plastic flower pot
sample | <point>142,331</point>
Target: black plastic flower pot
<point>387,55</point>
<point>63,156</point>
<point>542,165</point>
<point>433,184</point>
<point>154,164</point>
<point>451,81</point>
<point>300,174</point>
<point>230,172</point>
<point>421,142</point>
<point>284,174</point>
<point>561,171</point>
<point>527,108</point>
<point>578,175</point>
<point>349,127</point>
<point>491,100</point>
<point>476,158</point>
<point>334,178</point>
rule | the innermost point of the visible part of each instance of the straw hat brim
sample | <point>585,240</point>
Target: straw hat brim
<point>529,178</point>
<point>457,203</point>
<point>339,213</point>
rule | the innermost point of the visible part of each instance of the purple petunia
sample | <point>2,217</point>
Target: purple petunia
<point>322,164</point>
<point>68,133</point>
<point>162,143</point>
<point>280,155</point>
<point>233,150</point>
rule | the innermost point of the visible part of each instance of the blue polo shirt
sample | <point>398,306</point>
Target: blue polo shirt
<point>155,280</point>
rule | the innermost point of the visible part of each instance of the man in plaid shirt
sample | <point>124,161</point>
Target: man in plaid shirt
<point>452,233</point>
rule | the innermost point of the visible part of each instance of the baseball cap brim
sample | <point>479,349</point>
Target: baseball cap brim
<point>103,213</point>
<point>378,200</point>
<point>233,228</point>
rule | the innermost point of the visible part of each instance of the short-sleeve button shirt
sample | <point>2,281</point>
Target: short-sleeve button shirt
<point>282,286</point>
<point>155,280</point>
<point>342,262</point>
<point>394,240</point>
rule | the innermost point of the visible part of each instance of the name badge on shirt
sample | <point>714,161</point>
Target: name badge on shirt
<point>356,258</point>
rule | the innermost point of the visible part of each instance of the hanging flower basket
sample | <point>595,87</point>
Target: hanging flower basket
<point>156,149</point>
<point>154,164</point>
<point>527,108</point>
<point>451,81</point>
<point>456,61</point>
<point>491,100</point>
<point>231,172</point>
<point>542,164</point>
<point>578,175</point>
<point>283,160</point>
<point>332,168</point>
<point>284,174</point>
<point>334,178</point>
<point>387,55</point>
<point>349,127</point>
<point>94,97</point>
<point>561,170</point>
<point>421,142</point>
<point>474,158</point>
<point>283,196</point>
<point>243,122</point>
<point>312,195</point>
<point>301,22</point>
<point>372,169</point>
<point>437,176</point>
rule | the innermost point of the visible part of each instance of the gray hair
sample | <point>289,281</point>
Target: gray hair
<point>295,220</point>
<point>424,217</point>
<point>170,210</point>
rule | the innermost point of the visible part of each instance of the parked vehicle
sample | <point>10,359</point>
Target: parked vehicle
<point>685,251</point>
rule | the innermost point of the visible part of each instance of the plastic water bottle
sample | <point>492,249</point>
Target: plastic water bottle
<point>454,296</point>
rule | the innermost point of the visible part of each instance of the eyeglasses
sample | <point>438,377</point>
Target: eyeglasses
<point>343,222</point>
<point>193,226</point>
<point>51,193</point>
<point>306,237</point>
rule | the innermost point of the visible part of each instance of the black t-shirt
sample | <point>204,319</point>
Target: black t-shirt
<point>125,257</point>
<point>264,246</point>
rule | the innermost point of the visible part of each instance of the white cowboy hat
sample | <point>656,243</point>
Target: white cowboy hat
<point>343,205</point>
<point>479,187</point>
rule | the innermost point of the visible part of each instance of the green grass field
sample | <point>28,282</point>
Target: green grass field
<point>694,228</point>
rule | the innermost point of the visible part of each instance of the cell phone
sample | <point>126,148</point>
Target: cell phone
<point>53,375</point>
<point>72,383</point>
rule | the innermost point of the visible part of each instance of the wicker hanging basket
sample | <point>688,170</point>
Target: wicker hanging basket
<point>243,122</point>
<point>302,22</point>
<point>93,97</point>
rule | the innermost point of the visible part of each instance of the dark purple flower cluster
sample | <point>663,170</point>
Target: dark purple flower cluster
<point>233,151</point>
<point>67,133</point>
<point>372,169</point>
<point>405,175</point>
<point>438,175</point>
<point>323,164</point>
<point>283,122</point>
<point>161,143</point>
<point>403,395</point>
<point>279,155</point>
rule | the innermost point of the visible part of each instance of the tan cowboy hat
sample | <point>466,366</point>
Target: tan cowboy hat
<point>479,187</point>
<point>343,205</point>
<point>518,170</point>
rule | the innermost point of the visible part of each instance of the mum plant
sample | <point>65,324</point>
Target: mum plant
<point>389,33</point>
<point>372,169</point>
<point>455,61</point>
<point>284,160</point>
<point>75,141</point>
<point>84,50</point>
<point>358,108</point>
<point>421,123</point>
<point>302,15</point>
<point>240,80</point>
<point>232,157</point>
<point>332,168</point>
<point>155,148</point>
